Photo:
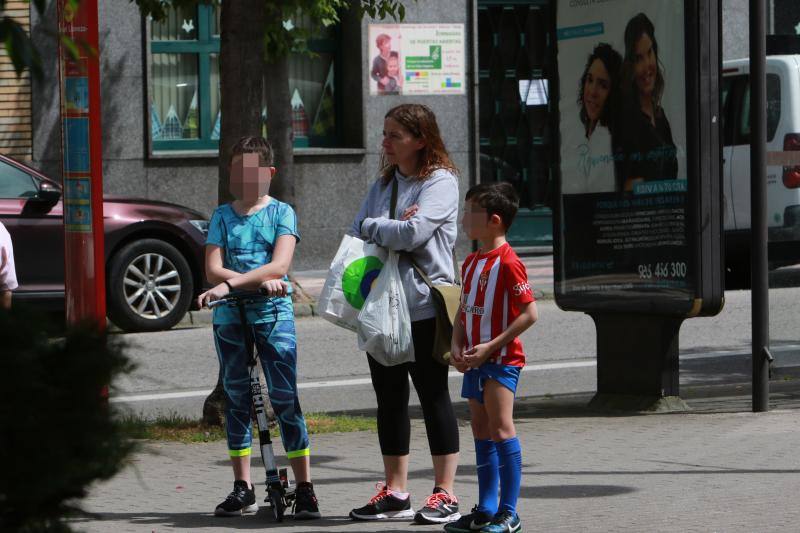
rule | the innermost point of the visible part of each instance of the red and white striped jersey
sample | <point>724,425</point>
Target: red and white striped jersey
<point>495,284</point>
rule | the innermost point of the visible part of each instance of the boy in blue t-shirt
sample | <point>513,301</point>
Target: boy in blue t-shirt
<point>250,245</point>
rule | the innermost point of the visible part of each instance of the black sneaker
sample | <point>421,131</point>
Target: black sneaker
<point>241,500</point>
<point>503,522</point>
<point>474,521</point>
<point>440,508</point>
<point>306,506</point>
<point>384,505</point>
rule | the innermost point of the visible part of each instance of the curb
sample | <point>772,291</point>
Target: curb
<point>203,317</point>
<point>304,310</point>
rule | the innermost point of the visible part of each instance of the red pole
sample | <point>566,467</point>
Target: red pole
<point>84,265</point>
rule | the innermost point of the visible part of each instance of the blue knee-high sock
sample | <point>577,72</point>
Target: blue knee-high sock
<point>509,455</point>
<point>488,477</point>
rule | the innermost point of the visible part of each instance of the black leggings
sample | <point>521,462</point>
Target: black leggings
<point>430,381</point>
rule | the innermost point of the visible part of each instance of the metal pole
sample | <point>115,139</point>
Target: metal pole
<point>758,204</point>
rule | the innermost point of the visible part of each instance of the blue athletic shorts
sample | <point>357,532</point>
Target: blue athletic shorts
<point>505,375</point>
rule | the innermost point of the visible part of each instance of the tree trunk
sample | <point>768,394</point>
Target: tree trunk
<point>241,92</point>
<point>279,128</point>
<point>241,79</point>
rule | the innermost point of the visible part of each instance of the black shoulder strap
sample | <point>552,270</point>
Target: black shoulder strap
<point>393,201</point>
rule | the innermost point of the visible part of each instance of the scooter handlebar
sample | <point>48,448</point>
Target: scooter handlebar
<point>234,297</point>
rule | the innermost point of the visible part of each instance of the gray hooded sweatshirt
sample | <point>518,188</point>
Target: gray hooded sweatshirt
<point>428,237</point>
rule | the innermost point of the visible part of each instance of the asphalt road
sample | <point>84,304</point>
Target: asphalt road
<point>177,368</point>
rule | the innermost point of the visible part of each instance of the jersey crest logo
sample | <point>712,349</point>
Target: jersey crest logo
<point>483,280</point>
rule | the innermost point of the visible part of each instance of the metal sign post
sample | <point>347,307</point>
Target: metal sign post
<point>758,204</point>
<point>82,163</point>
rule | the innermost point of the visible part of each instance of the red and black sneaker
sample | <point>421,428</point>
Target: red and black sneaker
<point>306,506</point>
<point>384,505</point>
<point>440,508</point>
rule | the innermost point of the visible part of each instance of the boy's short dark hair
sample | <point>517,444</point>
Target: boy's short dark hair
<point>499,199</point>
<point>255,145</point>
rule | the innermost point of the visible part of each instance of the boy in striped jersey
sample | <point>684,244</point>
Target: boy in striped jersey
<point>497,305</point>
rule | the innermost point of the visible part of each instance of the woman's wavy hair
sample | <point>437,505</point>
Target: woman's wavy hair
<point>612,61</point>
<point>637,27</point>
<point>420,122</point>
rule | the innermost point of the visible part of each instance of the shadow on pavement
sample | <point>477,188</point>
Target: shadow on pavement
<point>573,491</point>
<point>280,460</point>
<point>261,520</point>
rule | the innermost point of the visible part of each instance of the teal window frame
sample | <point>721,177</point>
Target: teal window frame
<point>204,47</point>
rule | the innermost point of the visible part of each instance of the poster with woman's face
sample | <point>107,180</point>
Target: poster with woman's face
<point>622,85</point>
<point>624,241</point>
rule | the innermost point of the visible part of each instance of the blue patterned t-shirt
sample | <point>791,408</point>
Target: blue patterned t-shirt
<point>247,243</point>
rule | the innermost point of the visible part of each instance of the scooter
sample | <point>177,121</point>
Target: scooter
<point>280,493</point>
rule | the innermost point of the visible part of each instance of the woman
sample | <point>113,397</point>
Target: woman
<point>597,97</point>
<point>423,229</point>
<point>644,145</point>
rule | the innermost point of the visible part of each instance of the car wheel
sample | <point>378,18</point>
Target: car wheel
<point>149,286</point>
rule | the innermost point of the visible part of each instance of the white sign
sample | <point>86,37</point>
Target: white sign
<point>416,59</point>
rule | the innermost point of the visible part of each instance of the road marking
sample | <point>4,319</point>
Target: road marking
<point>542,367</point>
<point>326,384</point>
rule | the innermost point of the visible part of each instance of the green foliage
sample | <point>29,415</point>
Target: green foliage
<point>20,48</point>
<point>174,427</point>
<point>281,36</point>
<point>58,434</point>
<point>157,9</point>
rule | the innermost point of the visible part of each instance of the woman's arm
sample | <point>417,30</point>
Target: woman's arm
<point>437,203</point>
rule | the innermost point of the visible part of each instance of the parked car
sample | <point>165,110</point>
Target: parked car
<point>783,138</point>
<point>153,250</point>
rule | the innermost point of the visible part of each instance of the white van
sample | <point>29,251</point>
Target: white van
<point>783,172</point>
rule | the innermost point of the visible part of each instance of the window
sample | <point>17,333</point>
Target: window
<point>736,95</point>
<point>15,183</point>
<point>185,84</point>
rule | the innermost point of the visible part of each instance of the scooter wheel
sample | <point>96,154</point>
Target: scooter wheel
<point>276,504</point>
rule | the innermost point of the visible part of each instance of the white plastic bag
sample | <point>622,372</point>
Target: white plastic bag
<point>384,323</point>
<point>352,273</point>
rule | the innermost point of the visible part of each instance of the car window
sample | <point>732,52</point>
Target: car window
<point>14,183</point>
<point>773,109</point>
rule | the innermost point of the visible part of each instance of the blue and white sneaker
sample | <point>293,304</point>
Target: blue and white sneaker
<point>474,521</point>
<point>503,522</point>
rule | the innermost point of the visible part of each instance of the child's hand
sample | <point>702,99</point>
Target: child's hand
<point>220,291</point>
<point>456,353</point>
<point>476,356</point>
<point>275,287</point>
<point>461,366</point>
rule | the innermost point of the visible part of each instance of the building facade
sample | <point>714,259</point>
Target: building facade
<point>160,101</point>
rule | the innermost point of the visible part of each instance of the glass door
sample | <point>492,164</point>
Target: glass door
<point>516,145</point>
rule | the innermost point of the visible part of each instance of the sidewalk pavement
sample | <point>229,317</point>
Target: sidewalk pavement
<point>717,468</point>
<point>310,282</point>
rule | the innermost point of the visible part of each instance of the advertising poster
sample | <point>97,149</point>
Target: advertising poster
<point>416,59</point>
<point>623,218</point>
